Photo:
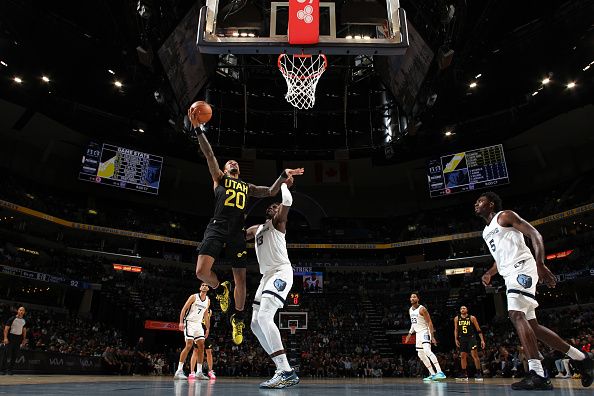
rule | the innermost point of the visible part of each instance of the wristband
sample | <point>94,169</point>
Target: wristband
<point>284,175</point>
<point>198,131</point>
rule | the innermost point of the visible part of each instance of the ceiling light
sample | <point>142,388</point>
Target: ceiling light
<point>472,84</point>
<point>448,133</point>
<point>140,130</point>
<point>545,81</point>
<point>4,63</point>
<point>366,37</point>
<point>235,34</point>
<point>111,71</point>
<point>45,79</point>
<point>534,93</point>
<point>349,37</point>
<point>251,35</point>
<point>243,34</point>
<point>18,80</point>
<point>570,84</point>
<point>478,75</point>
<point>117,83</point>
<point>586,68</point>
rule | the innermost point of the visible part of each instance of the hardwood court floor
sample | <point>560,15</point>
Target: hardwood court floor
<point>38,385</point>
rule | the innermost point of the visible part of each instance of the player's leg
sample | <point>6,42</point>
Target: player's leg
<point>210,250</point>
<point>179,374</point>
<point>477,361</point>
<point>582,360</point>
<point>237,251</point>
<point>439,375</point>
<point>274,295</point>
<point>427,363</point>
<point>193,361</point>
<point>209,361</point>
<point>255,325</point>
<point>200,358</point>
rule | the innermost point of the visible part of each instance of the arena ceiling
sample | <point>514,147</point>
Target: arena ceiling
<point>507,48</point>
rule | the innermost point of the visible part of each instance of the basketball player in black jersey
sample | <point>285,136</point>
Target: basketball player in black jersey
<point>225,231</point>
<point>465,329</point>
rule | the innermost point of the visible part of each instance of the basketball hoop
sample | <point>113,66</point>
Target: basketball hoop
<point>302,73</point>
<point>293,328</point>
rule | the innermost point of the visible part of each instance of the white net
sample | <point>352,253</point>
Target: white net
<point>302,73</point>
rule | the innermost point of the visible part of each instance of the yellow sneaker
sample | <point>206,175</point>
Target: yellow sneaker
<point>237,333</point>
<point>224,297</point>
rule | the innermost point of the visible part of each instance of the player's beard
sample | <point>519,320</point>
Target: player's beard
<point>234,171</point>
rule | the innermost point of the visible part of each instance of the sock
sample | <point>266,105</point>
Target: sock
<point>180,366</point>
<point>575,354</point>
<point>536,365</point>
<point>199,368</point>
<point>281,362</point>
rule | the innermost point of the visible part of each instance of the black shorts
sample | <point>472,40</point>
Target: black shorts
<point>468,344</point>
<point>219,239</point>
<point>208,344</point>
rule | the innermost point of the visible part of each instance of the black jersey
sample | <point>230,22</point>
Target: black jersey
<point>465,327</point>
<point>231,197</point>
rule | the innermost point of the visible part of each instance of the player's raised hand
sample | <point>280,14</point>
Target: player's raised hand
<point>294,172</point>
<point>289,181</point>
<point>546,276</point>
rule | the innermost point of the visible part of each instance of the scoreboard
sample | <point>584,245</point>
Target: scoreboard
<point>466,171</point>
<point>121,167</point>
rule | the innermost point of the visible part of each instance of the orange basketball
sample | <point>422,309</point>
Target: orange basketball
<point>203,111</point>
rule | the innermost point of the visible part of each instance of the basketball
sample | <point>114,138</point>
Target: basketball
<point>203,111</point>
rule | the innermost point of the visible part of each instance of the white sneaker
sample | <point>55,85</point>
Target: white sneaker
<point>200,376</point>
<point>179,375</point>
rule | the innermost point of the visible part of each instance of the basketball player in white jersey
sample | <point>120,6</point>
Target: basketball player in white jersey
<point>277,280</point>
<point>421,324</point>
<point>504,236</point>
<point>190,322</point>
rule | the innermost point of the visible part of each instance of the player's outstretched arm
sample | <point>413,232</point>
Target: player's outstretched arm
<point>250,233</point>
<point>280,219</point>
<point>486,278</point>
<point>263,191</point>
<point>211,160</point>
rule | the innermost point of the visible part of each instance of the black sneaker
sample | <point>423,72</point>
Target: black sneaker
<point>533,381</point>
<point>585,369</point>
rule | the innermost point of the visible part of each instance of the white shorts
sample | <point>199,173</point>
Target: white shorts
<point>276,284</point>
<point>521,288</point>
<point>423,337</point>
<point>193,331</point>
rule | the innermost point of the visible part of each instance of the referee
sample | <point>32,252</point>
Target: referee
<point>15,336</point>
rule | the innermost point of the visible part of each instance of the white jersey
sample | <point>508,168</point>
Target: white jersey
<point>271,248</point>
<point>507,246</point>
<point>418,322</point>
<point>197,309</point>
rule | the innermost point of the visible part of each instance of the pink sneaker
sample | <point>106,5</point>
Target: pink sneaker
<point>212,375</point>
<point>192,376</point>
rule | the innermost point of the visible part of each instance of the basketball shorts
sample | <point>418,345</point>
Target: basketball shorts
<point>276,284</point>
<point>468,344</point>
<point>218,239</point>
<point>193,330</point>
<point>521,288</point>
<point>423,337</point>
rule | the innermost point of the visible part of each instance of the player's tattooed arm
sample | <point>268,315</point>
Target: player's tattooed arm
<point>211,160</point>
<point>263,191</point>
<point>281,217</point>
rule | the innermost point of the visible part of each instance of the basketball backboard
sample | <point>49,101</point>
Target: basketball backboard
<point>357,27</point>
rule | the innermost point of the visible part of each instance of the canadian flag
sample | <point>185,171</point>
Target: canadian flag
<point>331,172</point>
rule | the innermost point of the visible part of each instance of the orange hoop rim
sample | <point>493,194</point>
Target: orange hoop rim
<point>315,75</point>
